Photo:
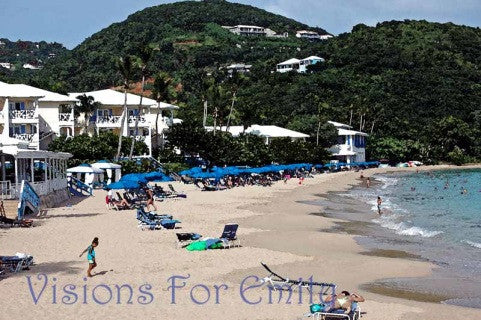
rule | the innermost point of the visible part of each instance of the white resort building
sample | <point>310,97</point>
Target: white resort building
<point>351,145</point>
<point>109,116</point>
<point>300,66</point>
<point>267,132</point>
<point>34,116</point>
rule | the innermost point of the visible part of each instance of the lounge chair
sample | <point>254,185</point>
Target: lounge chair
<point>277,282</point>
<point>177,194</point>
<point>155,224</point>
<point>17,262</point>
<point>229,235</point>
<point>152,215</point>
<point>336,314</point>
<point>184,239</point>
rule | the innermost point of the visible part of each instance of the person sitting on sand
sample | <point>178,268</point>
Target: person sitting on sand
<point>91,256</point>
<point>345,302</point>
<point>379,202</point>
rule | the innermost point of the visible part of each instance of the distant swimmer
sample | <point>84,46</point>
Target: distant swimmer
<point>379,202</point>
<point>465,191</point>
<point>413,189</point>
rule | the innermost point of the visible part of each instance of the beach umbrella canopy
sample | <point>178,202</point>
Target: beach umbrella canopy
<point>157,176</point>
<point>136,177</point>
<point>126,184</point>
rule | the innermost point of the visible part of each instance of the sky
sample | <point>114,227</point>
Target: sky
<point>71,21</point>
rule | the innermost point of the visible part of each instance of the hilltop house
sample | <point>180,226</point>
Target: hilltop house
<point>312,35</point>
<point>239,67</point>
<point>108,117</point>
<point>267,132</point>
<point>246,30</point>
<point>300,66</point>
<point>351,145</point>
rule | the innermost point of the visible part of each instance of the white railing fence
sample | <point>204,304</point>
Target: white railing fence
<point>23,114</point>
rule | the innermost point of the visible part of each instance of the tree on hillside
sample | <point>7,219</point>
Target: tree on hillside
<point>87,105</point>
<point>145,54</point>
<point>160,92</point>
<point>126,67</point>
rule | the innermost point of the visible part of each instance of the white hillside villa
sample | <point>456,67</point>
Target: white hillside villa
<point>312,35</point>
<point>246,30</point>
<point>267,132</point>
<point>109,116</point>
<point>298,65</point>
<point>351,145</point>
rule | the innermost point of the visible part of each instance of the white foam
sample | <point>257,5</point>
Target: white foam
<point>389,222</point>
<point>473,244</point>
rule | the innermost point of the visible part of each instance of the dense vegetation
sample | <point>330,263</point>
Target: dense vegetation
<point>415,86</point>
<point>87,149</point>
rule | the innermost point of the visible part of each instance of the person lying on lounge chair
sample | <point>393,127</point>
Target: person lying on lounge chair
<point>345,302</point>
<point>120,204</point>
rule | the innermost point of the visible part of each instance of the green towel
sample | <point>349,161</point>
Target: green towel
<point>197,246</point>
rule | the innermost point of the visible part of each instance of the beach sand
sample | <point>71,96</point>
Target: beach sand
<point>275,228</point>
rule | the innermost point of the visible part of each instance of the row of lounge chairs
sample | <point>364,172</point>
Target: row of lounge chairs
<point>228,182</point>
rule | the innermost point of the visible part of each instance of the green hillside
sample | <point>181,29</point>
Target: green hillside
<point>414,86</point>
<point>188,33</point>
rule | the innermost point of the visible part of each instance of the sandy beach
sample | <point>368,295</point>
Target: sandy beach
<point>293,238</point>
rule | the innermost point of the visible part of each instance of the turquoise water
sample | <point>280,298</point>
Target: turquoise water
<point>436,215</point>
<point>445,205</point>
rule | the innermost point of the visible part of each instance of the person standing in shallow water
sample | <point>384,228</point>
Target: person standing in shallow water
<point>368,182</point>
<point>91,256</point>
<point>379,202</point>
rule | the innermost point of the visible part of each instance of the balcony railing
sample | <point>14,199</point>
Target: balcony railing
<point>109,120</point>
<point>28,137</point>
<point>142,120</point>
<point>23,114</point>
<point>65,117</point>
<point>140,138</point>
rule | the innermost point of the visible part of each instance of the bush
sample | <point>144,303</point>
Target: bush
<point>457,156</point>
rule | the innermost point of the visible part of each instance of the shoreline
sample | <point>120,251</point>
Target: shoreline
<point>276,226</point>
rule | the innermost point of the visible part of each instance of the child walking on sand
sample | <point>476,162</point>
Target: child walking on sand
<point>91,256</point>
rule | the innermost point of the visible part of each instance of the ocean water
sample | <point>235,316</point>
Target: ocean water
<point>436,215</point>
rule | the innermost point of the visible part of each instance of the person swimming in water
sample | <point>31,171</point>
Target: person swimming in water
<point>91,256</point>
<point>379,202</point>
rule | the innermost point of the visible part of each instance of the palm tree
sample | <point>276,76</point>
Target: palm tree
<point>145,54</point>
<point>125,66</point>
<point>87,105</point>
<point>160,91</point>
